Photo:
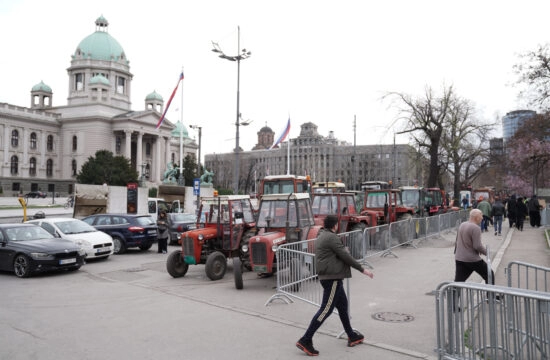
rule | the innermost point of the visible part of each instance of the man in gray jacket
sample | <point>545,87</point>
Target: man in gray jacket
<point>334,263</point>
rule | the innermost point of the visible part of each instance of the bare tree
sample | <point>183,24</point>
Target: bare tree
<point>425,120</point>
<point>534,72</point>
<point>445,129</point>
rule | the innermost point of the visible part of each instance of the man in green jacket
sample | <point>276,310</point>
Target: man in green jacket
<point>334,263</point>
<point>486,209</point>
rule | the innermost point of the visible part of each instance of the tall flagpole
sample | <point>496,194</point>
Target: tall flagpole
<point>181,180</point>
<point>288,156</point>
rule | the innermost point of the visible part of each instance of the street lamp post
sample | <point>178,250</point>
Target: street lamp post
<point>242,55</point>
<point>199,158</point>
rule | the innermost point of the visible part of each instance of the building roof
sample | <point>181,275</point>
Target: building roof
<point>42,87</point>
<point>154,96</point>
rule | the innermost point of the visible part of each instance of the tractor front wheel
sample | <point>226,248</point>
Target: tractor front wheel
<point>175,265</point>
<point>216,265</point>
<point>238,273</point>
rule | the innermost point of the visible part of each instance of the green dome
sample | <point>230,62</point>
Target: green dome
<point>154,96</point>
<point>100,79</point>
<point>100,45</point>
<point>179,129</point>
<point>42,87</point>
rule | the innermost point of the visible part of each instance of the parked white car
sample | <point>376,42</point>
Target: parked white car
<point>97,244</point>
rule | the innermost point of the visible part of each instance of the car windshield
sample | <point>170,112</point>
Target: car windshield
<point>145,220</point>
<point>74,227</point>
<point>27,233</point>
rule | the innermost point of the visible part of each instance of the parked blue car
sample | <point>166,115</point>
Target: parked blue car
<point>127,231</point>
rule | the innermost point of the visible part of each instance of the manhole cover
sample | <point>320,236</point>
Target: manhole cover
<point>392,317</point>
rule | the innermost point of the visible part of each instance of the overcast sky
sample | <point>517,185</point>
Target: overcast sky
<point>317,61</point>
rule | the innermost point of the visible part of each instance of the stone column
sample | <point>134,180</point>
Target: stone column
<point>167,149</point>
<point>128,144</point>
<point>139,153</point>
<point>157,167</point>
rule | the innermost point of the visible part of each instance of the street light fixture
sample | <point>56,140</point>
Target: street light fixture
<point>242,55</point>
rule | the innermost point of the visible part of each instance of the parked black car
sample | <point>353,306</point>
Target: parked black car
<point>179,223</point>
<point>26,249</point>
<point>36,194</point>
<point>126,230</point>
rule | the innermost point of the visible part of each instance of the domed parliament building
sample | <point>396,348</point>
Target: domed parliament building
<point>43,146</point>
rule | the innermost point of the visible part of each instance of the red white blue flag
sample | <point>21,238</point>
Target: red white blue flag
<point>282,136</point>
<point>169,101</point>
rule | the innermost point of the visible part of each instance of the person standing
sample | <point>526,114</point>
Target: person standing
<point>163,233</point>
<point>486,210</point>
<point>521,212</point>
<point>464,203</point>
<point>334,263</point>
<point>468,249</point>
<point>511,210</point>
<point>533,206</point>
<point>498,213</point>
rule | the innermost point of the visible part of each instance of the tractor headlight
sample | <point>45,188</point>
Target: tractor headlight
<point>274,247</point>
<point>200,237</point>
<point>244,248</point>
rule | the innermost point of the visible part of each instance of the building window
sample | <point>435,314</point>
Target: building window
<point>14,138</point>
<point>75,143</point>
<point>15,186</point>
<point>49,167</point>
<point>118,142</point>
<point>32,167</point>
<point>14,165</point>
<point>148,149</point>
<point>73,167</point>
<point>33,141</point>
<point>49,144</point>
<point>121,85</point>
<point>147,171</point>
<point>79,82</point>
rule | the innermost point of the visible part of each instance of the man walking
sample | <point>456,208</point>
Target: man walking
<point>486,209</point>
<point>333,262</point>
<point>467,250</point>
<point>533,206</point>
<point>498,212</point>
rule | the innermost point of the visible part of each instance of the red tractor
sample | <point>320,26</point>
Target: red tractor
<point>388,206</point>
<point>226,221</point>
<point>343,206</point>
<point>436,201</point>
<point>282,218</point>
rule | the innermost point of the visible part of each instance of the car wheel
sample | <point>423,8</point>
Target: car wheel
<point>216,265</point>
<point>145,247</point>
<point>118,245</point>
<point>238,273</point>
<point>175,265</point>
<point>22,266</point>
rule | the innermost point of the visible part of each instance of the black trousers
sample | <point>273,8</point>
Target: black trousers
<point>162,245</point>
<point>463,271</point>
<point>334,296</point>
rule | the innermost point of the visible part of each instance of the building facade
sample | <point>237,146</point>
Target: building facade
<point>44,146</point>
<point>513,120</point>
<point>322,158</point>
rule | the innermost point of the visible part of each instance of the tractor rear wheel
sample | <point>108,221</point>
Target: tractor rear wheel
<point>238,273</point>
<point>175,265</point>
<point>216,265</point>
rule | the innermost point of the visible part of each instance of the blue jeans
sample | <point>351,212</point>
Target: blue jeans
<point>498,223</point>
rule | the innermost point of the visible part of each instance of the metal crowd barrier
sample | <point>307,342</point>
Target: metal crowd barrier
<point>528,276</point>
<point>297,274</point>
<point>478,321</point>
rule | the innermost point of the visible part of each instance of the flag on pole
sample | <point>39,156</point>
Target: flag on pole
<point>282,136</point>
<point>169,101</point>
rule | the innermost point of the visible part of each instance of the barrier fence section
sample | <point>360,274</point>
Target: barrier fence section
<point>297,273</point>
<point>528,276</point>
<point>478,321</point>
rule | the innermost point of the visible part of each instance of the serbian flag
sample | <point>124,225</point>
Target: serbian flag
<point>283,135</point>
<point>169,101</point>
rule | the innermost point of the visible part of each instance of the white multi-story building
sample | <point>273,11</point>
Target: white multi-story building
<point>43,147</point>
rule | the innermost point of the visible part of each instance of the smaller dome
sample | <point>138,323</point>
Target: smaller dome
<point>100,79</point>
<point>42,87</point>
<point>266,129</point>
<point>180,128</point>
<point>154,96</point>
